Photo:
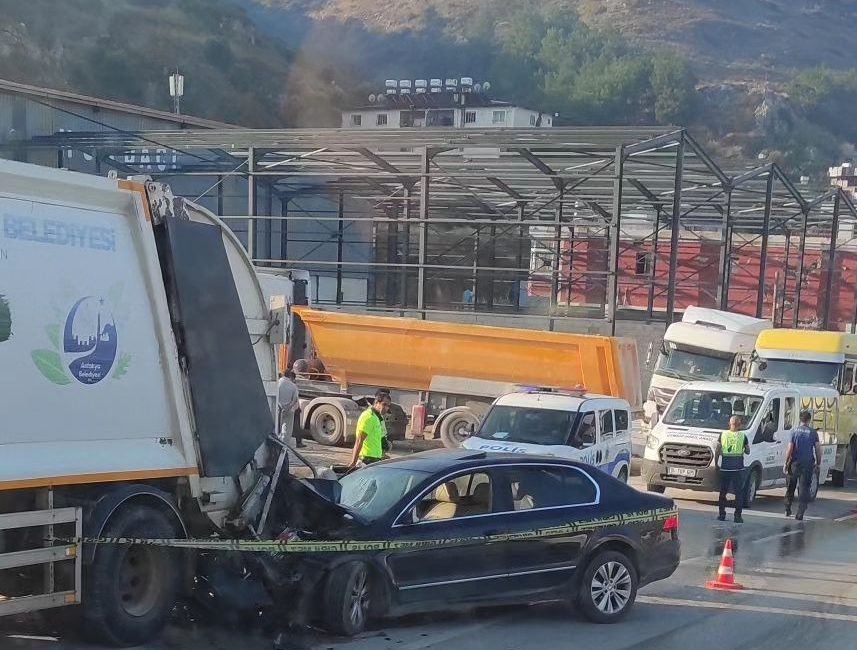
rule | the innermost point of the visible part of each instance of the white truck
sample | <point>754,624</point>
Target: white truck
<point>680,450</point>
<point>593,429</point>
<point>136,388</point>
<point>703,346</point>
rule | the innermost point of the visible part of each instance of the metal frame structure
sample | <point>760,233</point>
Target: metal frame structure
<point>446,209</point>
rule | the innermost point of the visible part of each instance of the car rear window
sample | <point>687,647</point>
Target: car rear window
<point>548,487</point>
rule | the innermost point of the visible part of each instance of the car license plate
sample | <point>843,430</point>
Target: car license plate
<point>681,471</point>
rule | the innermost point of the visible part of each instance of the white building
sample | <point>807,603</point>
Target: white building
<point>448,106</point>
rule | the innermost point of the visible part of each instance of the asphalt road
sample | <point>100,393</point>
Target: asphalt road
<point>800,590</point>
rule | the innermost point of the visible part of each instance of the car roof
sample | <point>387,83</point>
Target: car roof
<point>442,460</point>
<point>559,401</point>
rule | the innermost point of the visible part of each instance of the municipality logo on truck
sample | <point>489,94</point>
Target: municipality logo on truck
<point>84,346</point>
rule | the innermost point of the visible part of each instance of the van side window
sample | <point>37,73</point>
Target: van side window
<point>789,414</point>
<point>770,423</point>
<point>584,435</point>
<point>621,418</point>
<point>607,422</point>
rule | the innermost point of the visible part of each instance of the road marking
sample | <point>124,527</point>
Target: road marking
<point>787,533</point>
<point>847,517</point>
<point>743,607</point>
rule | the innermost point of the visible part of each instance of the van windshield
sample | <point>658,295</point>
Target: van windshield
<point>528,425</point>
<point>811,373</point>
<point>692,364</point>
<point>711,410</point>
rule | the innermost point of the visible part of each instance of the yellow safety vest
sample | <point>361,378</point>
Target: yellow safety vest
<point>732,443</point>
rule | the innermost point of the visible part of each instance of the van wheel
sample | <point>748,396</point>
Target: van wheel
<point>657,489</point>
<point>813,487</point>
<point>608,588</point>
<point>327,426</point>
<point>623,475</point>
<point>130,590</point>
<point>751,489</point>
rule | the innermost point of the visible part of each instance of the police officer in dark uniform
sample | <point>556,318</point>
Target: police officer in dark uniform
<point>802,459</point>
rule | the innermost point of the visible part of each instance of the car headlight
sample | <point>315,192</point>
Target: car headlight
<point>652,442</point>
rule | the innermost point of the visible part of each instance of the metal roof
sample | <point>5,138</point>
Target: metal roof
<point>61,95</point>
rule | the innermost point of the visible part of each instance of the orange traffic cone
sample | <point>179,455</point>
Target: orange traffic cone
<point>726,572</point>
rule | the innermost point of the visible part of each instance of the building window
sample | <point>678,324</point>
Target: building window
<point>381,120</point>
<point>533,120</point>
<point>470,117</point>
<point>644,264</point>
<point>498,117</point>
<point>356,120</point>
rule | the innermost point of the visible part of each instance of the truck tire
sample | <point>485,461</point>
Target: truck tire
<point>453,427</point>
<point>130,590</point>
<point>327,426</point>
<point>837,478</point>
<point>396,422</point>
<point>347,599</point>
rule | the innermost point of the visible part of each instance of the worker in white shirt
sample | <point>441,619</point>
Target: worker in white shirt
<point>288,405</point>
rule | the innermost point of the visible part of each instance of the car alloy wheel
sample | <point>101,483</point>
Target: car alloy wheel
<point>359,599</point>
<point>611,588</point>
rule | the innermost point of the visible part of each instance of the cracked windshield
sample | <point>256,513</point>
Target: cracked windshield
<point>428,325</point>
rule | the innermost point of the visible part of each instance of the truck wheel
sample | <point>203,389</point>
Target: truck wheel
<point>347,599</point>
<point>608,588</point>
<point>455,428</point>
<point>657,489</point>
<point>130,590</point>
<point>326,425</point>
<point>396,422</point>
<point>751,489</point>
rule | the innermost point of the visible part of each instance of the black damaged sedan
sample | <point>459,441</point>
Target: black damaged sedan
<point>465,528</point>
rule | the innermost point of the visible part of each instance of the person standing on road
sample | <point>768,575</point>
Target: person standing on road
<point>369,439</point>
<point>288,404</point>
<point>802,460</point>
<point>731,449</point>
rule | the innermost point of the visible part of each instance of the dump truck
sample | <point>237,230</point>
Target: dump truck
<point>454,370</point>
<point>137,382</point>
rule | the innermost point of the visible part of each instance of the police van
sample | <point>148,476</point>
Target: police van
<point>680,451</point>
<point>593,429</point>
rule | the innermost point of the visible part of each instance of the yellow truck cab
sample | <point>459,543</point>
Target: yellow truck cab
<point>823,359</point>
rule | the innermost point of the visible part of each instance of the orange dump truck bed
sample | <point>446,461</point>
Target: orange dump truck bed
<point>406,353</point>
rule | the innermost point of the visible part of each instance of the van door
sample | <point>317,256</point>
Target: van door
<point>766,439</point>
<point>784,436</point>
<point>585,438</point>
<point>606,435</point>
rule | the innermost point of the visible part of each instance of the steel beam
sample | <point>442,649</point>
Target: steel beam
<point>653,268</point>
<point>406,248</point>
<point>612,297</point>
<point>340,236</point>
<point>557,254</point>
<point>675,227</point>
<point>763,259</point>
<point>425,184</point>
<point>724,272</point>
<point>831,262</point>
<point>799,274</point>
<point>251,203</point>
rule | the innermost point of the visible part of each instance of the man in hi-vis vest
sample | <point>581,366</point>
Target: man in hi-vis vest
<point>731,449</point>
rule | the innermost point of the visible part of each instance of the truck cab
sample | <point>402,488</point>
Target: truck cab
<point>681,449</point>
<point>594,429</point>
<point>704,346</point>
<point>820,359</point>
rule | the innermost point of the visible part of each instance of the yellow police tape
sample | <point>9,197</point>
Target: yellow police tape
<point>343,546</point>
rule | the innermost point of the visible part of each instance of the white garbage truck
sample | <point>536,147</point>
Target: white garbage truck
<point>136,387</point>
<point>703,346</point>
